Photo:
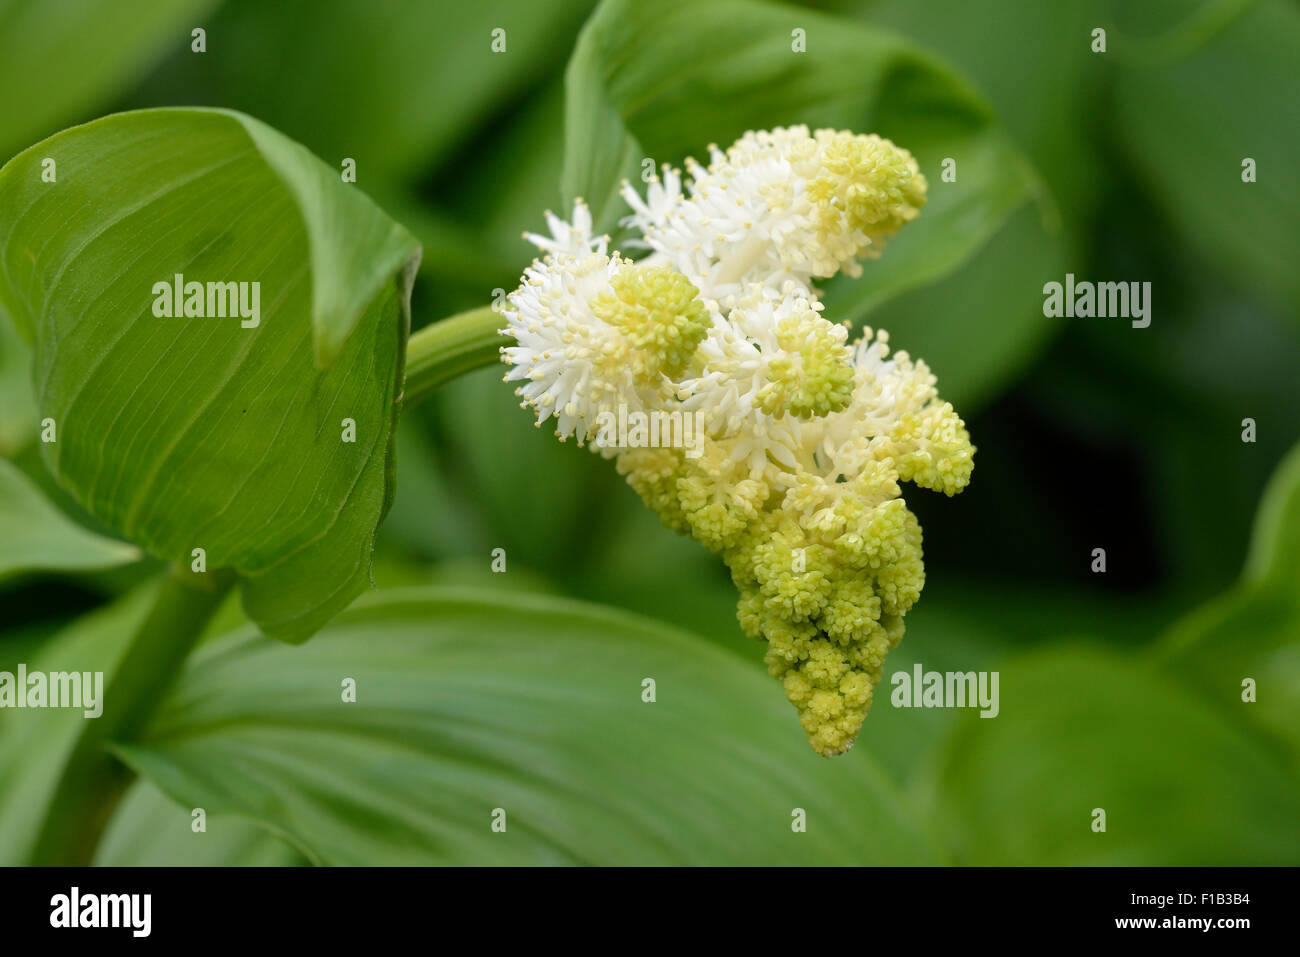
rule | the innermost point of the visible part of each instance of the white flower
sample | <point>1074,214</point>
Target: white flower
<point>661,199</point>
<point>781,390</point>
<point>594,333</point>
<point>779,206</point>
<point>572,238</point>
<point>769,366</point>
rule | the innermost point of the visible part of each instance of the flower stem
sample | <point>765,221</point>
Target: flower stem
<point>449,348</point>
<point>93,780</point>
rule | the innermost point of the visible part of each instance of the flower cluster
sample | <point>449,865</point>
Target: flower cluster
<point>807,435</point>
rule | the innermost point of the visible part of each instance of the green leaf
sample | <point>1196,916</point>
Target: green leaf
<point>664,80</point>
<point>979,326</point>
<point>1274,559</point>
<point>1250,633</point>
<point>493,444</point>
<point>103,675</point>
<point>18,422</point>
<point>1187,127</point>
<point>58,60</point>
<point>37,744</point>
<point>1081,729</point>
<point>1040,76</point>
<point>150,830</point>
<point>397,85</point>
<point>470,701</point>
<point>185,433</point>
<point>1253,632</point>
<point>355,249</point>
<point>36,537</point>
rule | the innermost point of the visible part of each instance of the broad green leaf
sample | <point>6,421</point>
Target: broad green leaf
<point>1081,729</point>
<point>18,422</point>
<point>1188,126</point>
<point>36,537</point>
<point>1242,650</point>
<point>35,744</point>
<point>415,94</point>
<point>980,326</point>
<point>1274,559</point>
<point>191,432</point>
<point>1253,634</point>
<point>397,85</point>
<point>355,249</point>
<point>150,830</point>
<point>58,60</point>
<point>431,518</point>
<point>471,701</point>
<point>1034,63</point>
<point>500,459</point>
<point>663,80</point>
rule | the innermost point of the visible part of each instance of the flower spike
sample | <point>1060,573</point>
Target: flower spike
<point>805,438</point>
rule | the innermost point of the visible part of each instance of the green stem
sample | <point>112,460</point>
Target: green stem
<point>449,348</point>
<point>93,780</point>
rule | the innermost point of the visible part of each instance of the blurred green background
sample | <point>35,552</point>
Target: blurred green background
<point>1119,690</point>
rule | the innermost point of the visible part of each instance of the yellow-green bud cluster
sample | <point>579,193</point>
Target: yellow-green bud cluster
<point>661,317</point>
<point>870,189</point>
<point>826,569</point>
<point>812,373</point>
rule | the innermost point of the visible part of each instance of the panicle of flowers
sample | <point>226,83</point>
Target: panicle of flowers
<point>795,480</point>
